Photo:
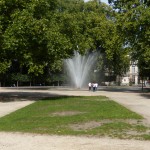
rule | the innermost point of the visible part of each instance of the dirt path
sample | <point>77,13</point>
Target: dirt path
<point>13,141</point>
<point>6,108</point>
<point>17,141</point>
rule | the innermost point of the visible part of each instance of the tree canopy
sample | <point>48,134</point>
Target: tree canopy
<point>41,34</point>
<point>38,33</point>
<point>134,18</point>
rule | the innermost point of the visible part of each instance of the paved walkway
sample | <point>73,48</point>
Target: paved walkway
<point>137,102</point>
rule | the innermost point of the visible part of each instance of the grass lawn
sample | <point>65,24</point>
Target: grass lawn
<point>89,116</point>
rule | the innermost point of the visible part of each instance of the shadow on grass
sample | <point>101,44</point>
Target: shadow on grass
<point>32,96</point>
<point>47,94</point>
<point>23,96</point>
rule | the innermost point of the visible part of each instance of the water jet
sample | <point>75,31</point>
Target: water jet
<point>79,68</point>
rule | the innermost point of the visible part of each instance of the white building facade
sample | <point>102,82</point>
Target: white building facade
<point>132,76</point>
<point>134,72</point>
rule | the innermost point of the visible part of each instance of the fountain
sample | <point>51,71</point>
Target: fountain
<point>79,68</point>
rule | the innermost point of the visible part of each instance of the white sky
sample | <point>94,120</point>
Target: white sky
<point>105,1</point>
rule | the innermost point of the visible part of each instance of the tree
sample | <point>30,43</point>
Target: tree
<point>104,35</point>
<point>39,34</point>
<point>32,34</point>
<point>19,78</point>
<point>134,18</point>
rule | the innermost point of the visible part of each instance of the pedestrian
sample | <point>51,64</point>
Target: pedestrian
<point>96,86</point>
<point>90,85</point>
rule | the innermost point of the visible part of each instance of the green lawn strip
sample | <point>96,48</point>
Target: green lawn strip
<point>57,115</point>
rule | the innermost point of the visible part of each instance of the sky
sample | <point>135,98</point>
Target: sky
<point>105,1</point>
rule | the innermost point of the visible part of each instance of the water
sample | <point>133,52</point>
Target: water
<point>79,68</point>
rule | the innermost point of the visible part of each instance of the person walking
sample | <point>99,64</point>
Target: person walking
<point>90,85</point>
<point>96,86</point>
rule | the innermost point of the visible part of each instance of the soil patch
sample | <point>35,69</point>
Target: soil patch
<point>85,126</point>
<point>94,124</point>
<point>67,113</point>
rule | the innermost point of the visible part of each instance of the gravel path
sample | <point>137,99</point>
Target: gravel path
<point>17,141</point>
<point>137,102</point>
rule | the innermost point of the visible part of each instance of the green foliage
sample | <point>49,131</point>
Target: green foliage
<point>106,38</point>
<point>134,18</point>
<point>30,34</point>
<point>20,77</point>
<point>41,34</point>
<point>4,66</point>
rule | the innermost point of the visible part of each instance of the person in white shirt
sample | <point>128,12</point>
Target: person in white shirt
<point>90,85</point>
<point>96,86</point>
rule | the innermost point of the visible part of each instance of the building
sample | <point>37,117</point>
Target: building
<point>132,76</point>
<point>134,72</point>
